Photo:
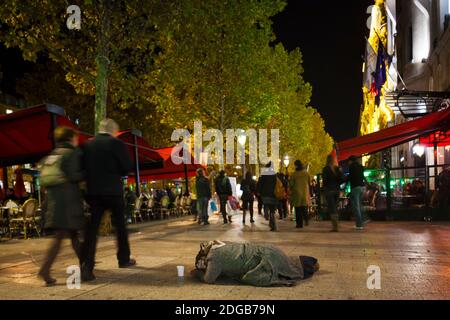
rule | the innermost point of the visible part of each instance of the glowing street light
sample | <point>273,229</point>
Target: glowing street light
<point>286,163</point>
<point>418,150</point>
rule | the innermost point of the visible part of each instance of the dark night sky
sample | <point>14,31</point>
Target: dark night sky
<point>331,38</point>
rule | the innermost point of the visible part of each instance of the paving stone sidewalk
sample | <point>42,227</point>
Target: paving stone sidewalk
<point>414,259</point>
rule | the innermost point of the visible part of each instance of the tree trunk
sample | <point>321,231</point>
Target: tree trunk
<point>102,62</point>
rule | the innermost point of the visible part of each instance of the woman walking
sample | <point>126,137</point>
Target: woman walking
<point>332,179</point>
<point>300,195</point>
<point>61,173</point>
<point>248,187</point>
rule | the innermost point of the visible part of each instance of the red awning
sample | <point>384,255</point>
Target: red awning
<point>149,158</point>
<point>389,137</point>
<point>27,135</point>
<point>170,169</point>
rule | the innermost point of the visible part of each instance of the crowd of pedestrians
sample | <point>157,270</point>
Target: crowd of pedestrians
<point>279,195</point>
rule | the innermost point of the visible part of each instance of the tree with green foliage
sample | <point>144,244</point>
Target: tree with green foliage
<point>160,65</point>
<point>105,58</point>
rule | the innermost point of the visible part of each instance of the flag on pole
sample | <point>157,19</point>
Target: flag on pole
<point>380,73</point>
<point>370,64</point>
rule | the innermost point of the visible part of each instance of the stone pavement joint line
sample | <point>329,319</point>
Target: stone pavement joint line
<point>413,257</point>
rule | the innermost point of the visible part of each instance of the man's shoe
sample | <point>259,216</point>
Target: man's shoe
<point>299,226</point>
<point>334,230</point>
<point>206,223</point>
<point>87,276</point>
<point>225,221</point>
<point>128,264</point>
<point>49,281</point>
<point>199,221</point>
<point>229,219</point>
<point>252,221</point>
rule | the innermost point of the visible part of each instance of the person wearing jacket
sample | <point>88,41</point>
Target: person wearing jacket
<point>266,188</point>
<point>300,196</point>
<point>203,196</point>
<point>106,160</point>
<point>248,187</point>
<point>64,212</point>
<point>357,185</point>
<point>333,177</point>
<point>223,189</point>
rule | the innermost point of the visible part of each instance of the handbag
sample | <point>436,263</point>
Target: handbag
<point>280,192</point>
<point>234,204</point>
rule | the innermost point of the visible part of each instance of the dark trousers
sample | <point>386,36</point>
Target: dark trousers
<point>283,208</point>
<point>223,206</point>
<point>269,211</point>
<point>332,198</point>
<point>203,209</point>
<point>301,215</point>
<point>56,246</point>
<point>247,205</point>
<point>260,206</point>
<point>99,205</point>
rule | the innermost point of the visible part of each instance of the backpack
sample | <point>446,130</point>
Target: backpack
<point>50,169</point>
<point>280,191</point>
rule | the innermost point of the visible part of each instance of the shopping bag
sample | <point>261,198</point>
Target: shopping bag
<point>234,203</point>
<point>213,205</point>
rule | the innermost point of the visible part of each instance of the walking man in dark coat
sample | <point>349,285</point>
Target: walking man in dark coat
<point>106,161</point>
<point>223,189</point>
<point>203,196</point>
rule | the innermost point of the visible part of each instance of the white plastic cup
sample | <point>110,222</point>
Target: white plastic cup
<point>180,270</point>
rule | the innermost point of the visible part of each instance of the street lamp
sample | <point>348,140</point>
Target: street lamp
<point>242,138</point>
<point>286,163</point>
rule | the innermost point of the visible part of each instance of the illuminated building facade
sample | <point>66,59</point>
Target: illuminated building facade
<point>416,35</point>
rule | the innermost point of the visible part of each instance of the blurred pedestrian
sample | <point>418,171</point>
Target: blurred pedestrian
<point>332,177</point>
<point>282,203</point>
<point>61,174</point>
<point>106,161</point>
<point>223,189</point>
<point>248,187</point>
<point>357,185</point>
<point>266,188</point>
<point>300,196</point>
<point>203,196</point>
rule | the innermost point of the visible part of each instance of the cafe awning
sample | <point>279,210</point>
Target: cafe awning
<point>395,135</point>
<point>27,135</point>
<point>149,158</point>
<point>170,169</point>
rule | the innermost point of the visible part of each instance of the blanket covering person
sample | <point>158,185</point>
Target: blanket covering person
<point>252,264</point>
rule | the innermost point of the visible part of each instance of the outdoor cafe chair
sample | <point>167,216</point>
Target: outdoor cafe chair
<point>164,209</point>
<point>137,210</point>
<point>179,203</point>
<point>26,218</point>
<point>150,209</point>
<point>187,208</point>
